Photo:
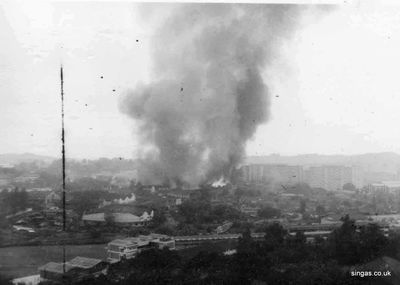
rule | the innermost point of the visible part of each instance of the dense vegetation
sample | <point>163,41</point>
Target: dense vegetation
<point>278,259</point>
<point>13,200</point>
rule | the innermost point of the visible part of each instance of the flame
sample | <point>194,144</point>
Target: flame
<point>219,183</point>
<point>127,200</point>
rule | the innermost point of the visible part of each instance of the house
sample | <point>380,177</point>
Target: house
<point>128,248</point>
<point>77,269</point>
<point>162,241</point>
<point>224,227</point>
<point>26,178</point>
<point>57,272</point>
<point>251,211</point>
<point>124,179</point>
<point>4,180</point>
<point>38,194</point>
<point>92,266</point>
<point>52,200</point>
<point>122,219</point>
<point>27,280</point>
<point>121,249</point>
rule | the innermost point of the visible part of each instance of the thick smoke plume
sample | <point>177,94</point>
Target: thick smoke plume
<point>207,95</point>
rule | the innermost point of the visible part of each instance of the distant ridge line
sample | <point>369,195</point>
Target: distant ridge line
<point>369,162</point>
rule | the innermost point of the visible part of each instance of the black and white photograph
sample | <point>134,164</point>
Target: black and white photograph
<point>199,143</point>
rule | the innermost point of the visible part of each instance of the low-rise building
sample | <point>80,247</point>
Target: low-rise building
<point>26,178</point>
<point>27,280</point>
<point>123,219</point>
<point>384,186</point>
<point>120,249</point>
<point>273,173</point>
<point>224,227</point>
<point>56,271</point>
<point>128,248</point>
<point>163,241</point>
<point>75,270</point>
<point>249,210</point>
<point>52,200</point>
<point>90,266</point>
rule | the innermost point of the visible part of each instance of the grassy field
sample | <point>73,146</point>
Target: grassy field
<point>25,260</point>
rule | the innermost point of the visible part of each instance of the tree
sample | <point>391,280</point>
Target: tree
<point>221,213</point>
<point>344,242</point>
<point>84,200</point>
<point>301,188</point>
<point>5,281</point>
<point>245,240</point>
<point>320,210</point>
<point>195,211</point>
<point>303,206</point>
<point>16,200</point>
<point>154,267</point>
<point>249,261</point>
<point>372,242</point>
<point>300,238</point>
<point>275,235</point>
<point>349,186</point>
<point>268,212</point>
<point>159,218</point>
<point>109,219</point>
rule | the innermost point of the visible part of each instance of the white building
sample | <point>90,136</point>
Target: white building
<point>52,200</point>
<point>332,177</point>
<point>121,249</point>
<point>27,280</point>
<point>119,218</point>
<point>128,248</point>
<point>386,186</point>
<point>273,173</point>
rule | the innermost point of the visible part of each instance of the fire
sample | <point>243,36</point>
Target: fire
<point>219,183</point>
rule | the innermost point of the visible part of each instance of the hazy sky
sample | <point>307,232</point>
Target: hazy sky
<point>335,86</point>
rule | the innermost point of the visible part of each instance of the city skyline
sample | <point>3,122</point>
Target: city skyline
<point>199,143</point>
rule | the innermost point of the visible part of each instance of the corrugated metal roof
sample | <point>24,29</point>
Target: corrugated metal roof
<point>84,262</point>
<point>118,218</point>
<point>56,267</point>
<point>123,242</point>
<point>97,217</point>
<point>126,218</point>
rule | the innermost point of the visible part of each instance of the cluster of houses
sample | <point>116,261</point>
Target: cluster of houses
<point>81,268</point>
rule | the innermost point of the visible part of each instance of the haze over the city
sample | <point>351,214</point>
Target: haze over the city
<point>326,97</point>
<point>206,143</point>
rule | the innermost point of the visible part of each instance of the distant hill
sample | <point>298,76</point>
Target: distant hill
<point>369,162</point>
<point>13,158</point>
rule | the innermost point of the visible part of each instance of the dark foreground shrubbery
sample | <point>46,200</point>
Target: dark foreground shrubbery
<point>278,259</point>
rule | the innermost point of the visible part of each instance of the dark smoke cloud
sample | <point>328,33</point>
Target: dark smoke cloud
<point>207,95</point>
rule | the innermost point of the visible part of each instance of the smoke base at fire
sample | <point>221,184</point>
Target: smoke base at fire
<point>207,95</point>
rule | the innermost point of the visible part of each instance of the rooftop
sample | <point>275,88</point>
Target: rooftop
<point>84,262</point>
<point>122,242</point>
<point>139,240</point>
<point>118,217</point>
<point>56,267</point>
<point>389,184</point>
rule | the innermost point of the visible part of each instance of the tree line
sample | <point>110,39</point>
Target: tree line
<point>279,258</point>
